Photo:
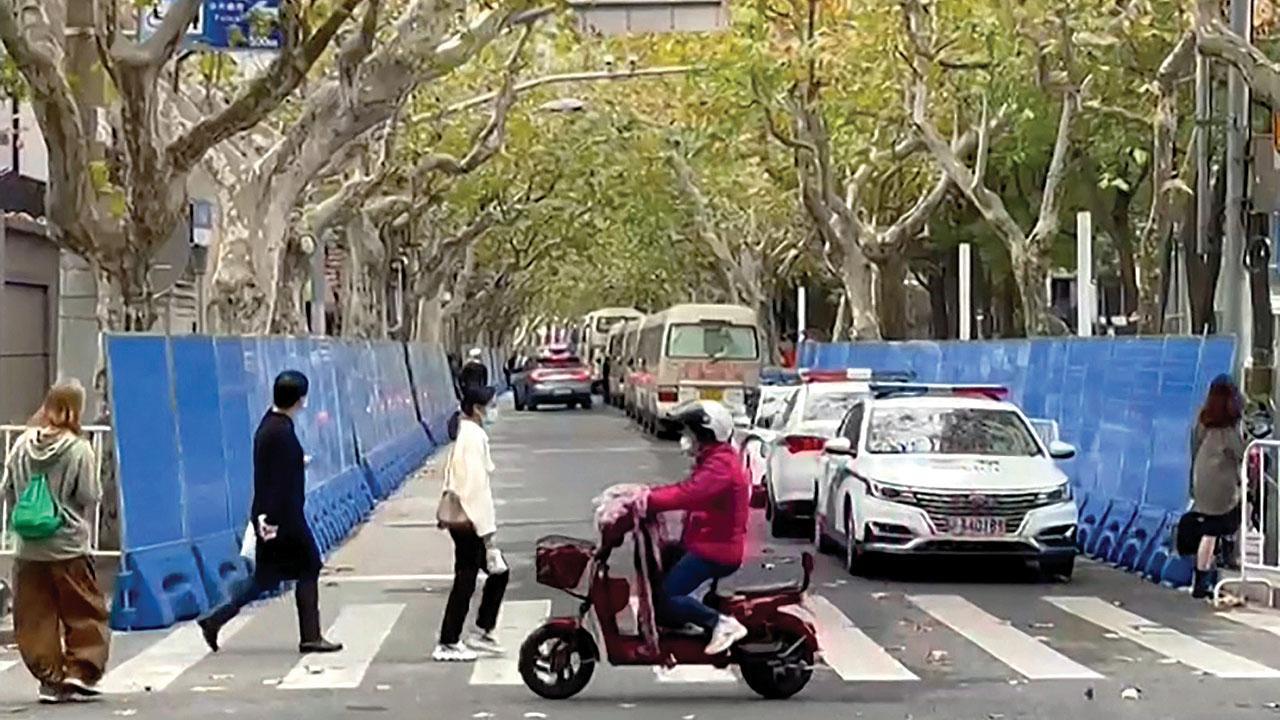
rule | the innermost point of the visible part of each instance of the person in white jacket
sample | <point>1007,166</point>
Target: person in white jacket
<point>467,475</point>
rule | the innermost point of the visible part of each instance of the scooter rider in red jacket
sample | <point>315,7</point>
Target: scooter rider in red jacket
<point>716,500</point>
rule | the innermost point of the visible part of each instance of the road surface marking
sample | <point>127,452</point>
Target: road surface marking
<point>345,579</point>
<point>848,651</point>
<point>517,620</point>
<point>362,628</point>
<point>1027,656</point>
<point>694,674</point>
<point>595,450</point>
<point>153,669</point>
<point>1165,641</point>
<point>1266,622</point>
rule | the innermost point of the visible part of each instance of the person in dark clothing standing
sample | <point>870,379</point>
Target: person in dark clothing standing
<point>455,372</point>
<point>474,374</point>
<point>286,549</point>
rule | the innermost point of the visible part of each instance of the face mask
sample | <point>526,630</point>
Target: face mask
<point>686,444</point>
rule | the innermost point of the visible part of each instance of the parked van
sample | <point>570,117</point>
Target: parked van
<point>692,352</point>
<point>594,336</point>
<point>620,354</point>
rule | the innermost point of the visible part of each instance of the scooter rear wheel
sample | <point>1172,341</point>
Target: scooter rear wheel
<point>780,678</point>
<point>557,662</point>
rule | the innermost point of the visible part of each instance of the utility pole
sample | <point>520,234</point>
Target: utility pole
<point>1231,298</point>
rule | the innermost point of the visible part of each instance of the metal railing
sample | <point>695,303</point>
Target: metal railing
<point>97,435</point>
<point>1259,543</point>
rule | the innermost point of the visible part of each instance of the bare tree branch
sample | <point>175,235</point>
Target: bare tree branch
<point>269,89</point>
<point>159,48</point>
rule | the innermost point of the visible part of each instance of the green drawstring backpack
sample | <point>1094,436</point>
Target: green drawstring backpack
<point>36,516</point>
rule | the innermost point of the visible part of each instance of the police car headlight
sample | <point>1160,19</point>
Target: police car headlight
<point>1062,493</point>
<point>888,492</point>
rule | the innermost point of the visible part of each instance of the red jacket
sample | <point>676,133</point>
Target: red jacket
<point>716,498</point>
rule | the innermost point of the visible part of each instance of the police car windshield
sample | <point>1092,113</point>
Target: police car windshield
<point>949,431</point>
<point>830,405</point>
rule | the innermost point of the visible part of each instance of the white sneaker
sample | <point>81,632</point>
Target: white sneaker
<point>485,642</point>
<point>454,653</point>
<point>728,631</point>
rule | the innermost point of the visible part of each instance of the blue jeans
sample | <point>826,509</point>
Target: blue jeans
<point>677,606</point>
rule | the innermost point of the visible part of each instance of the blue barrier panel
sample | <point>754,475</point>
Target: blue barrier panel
<point>184,412</point>
<point>159,581</point>
<point>206,499</point>
<point>1127,404</point>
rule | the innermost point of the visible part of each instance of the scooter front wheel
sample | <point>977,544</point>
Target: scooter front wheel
<point>781,677</point>
<point>556,661</point>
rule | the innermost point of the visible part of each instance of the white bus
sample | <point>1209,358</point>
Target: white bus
<point>595,336</point>
<point>691,352</point>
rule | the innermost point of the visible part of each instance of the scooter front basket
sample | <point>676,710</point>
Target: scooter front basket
<point>561,561</point>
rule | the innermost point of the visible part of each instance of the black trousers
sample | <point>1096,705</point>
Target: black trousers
<point>306,595</point>
<point>468,559</point>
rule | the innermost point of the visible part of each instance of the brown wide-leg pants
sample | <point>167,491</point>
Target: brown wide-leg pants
<point>60,620</point>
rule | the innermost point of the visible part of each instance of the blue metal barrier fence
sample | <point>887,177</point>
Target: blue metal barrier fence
<point>184,410</point>
<point>1127,404</point>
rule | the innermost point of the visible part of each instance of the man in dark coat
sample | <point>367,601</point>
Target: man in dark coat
<point>474,374</point>
<point>286,549</point>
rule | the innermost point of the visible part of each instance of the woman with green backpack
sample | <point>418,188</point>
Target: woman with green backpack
<point>59,612</point>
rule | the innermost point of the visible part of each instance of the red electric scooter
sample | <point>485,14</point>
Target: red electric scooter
<point>557,659</point>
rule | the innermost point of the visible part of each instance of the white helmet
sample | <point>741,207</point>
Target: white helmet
<point>475,353</point>
<point>708,420</point>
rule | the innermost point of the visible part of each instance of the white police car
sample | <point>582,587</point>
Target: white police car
<point>944,469</point>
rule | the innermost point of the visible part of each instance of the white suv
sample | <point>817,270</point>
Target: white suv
<point>944,469</point>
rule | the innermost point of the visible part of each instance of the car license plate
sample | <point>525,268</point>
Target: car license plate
<point>715,394</point>
<point>563,391</point>
<point>979,526</point>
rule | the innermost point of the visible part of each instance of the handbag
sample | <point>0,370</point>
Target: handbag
<point>449,513</point>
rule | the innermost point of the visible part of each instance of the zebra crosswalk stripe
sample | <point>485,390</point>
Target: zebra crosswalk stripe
<point>848,651</point>
<point>1026,655</point>
<point>1266,622</point>
<point>517,620</point>
<point>362,629</point>
<point>1165,641</point>
<point>153,669</point>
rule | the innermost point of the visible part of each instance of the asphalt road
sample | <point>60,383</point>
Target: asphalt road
<point>955,640</point>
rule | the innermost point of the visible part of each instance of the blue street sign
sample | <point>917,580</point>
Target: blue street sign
<point>225,25</point>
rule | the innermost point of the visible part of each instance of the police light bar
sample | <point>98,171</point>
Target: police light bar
<point>856,375</point>
<point>900,389</point>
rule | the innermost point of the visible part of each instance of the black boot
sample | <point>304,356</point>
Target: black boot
<point>1200,587</point>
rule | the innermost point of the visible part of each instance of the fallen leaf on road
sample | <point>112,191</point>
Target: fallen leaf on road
<point>1117,603</point>
<point>1130,693</point>
<point>1088,693</point>
<point>207,688</point>
<point>937,656</point>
